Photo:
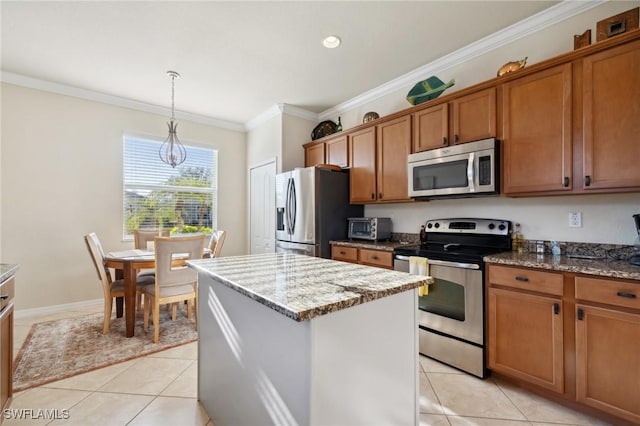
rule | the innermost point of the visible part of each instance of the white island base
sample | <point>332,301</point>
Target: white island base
<point>355,366</point>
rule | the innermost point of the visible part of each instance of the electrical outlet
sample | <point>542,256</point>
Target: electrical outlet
<point>575,220</point>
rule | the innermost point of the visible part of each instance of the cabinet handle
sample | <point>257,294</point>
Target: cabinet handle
<point>373,196</point>
<point>580,314</point>
<point>521,278</point>
<point>4,296</point>
<point>342,252</point>
<point>587,180</point>
<point>374,257</point>
<point>556,308</point>
<point>565,182</point>
<point>380,196</point>
<point>456,138</point>
<point>625,294</point>
<point>444,140</point>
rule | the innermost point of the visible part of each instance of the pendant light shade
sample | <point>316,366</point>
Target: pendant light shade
<point>172,151</point>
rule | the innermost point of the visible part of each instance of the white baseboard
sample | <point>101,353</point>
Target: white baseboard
<point>54,309</point>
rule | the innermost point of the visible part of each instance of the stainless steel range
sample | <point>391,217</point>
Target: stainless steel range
<point>451,316</point>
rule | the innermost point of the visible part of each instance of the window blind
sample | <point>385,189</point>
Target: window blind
<point>156,195</point>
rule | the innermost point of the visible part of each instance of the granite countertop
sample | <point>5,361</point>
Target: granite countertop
<point>303,287</point>
<point>372,245</point>
<point>601,267</point>
<point>7,270</point>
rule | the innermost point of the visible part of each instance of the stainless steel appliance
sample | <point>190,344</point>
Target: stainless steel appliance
<point>451,315</point>
<point>312,207</point>
<point>635,259</point>
<point>369,228</point>
<point>465,170</point>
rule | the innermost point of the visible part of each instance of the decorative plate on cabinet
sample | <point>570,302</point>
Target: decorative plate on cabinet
<point>323,129</point>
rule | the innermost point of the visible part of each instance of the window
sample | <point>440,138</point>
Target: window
<point>159,196</point>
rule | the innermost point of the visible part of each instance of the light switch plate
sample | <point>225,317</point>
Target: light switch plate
<point>575,220</point>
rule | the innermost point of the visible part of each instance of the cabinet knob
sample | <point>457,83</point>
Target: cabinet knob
<point>565,182</point>
<point>587,180</point>
<point>444,140</point>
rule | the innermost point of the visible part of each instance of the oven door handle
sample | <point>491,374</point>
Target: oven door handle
<point>443,263</point>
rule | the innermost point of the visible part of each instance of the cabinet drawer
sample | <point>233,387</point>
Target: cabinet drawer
<point>527,279</point>
<point>348,254</point>
<point>383,259</point>
<point>7,291</point>
<point>619,293</point>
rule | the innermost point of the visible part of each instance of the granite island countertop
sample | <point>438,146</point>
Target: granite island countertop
<point>303,287</point>
<point>600,267</point>
<point>7,270</point>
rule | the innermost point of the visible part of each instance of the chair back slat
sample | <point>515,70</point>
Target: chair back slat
<point>97,256</point>
<point>165,248</point>
<point>216,241</point>
<point>142,236</point>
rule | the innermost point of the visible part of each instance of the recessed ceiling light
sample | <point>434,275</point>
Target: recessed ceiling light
<point>331,42</point>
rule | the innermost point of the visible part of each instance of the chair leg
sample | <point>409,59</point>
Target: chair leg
<point>138,300</point>
<point>156,320</point>
<point>108,303</point>
<point>174,311</point>
<point>147,308</point>
<point>188,309</point>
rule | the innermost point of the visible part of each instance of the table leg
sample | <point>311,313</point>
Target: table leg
<point>119,300</point>
<point>129,298</point>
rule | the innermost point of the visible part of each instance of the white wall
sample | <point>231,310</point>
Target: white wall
<point>294,130</point>
<point>264,142</point>
<point>62,178</point>
<point>606,218</point>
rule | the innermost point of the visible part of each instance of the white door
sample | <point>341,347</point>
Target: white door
<point>262,208</point>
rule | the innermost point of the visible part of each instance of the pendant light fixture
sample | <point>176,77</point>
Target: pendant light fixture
<point>172,151</point>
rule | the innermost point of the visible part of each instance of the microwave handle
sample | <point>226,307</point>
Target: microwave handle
<point>470,172</point>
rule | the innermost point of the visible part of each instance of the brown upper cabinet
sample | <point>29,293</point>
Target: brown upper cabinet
<point>473,117</point>
<point>611,109</point>
<point>314,154</point>
<point>378,160</point>
<point>336,151</point>
<point>537,132</point>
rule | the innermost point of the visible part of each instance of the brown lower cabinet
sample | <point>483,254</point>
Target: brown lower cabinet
<point>379,258</point>
<point>532,316</point>
<point>6,344</point>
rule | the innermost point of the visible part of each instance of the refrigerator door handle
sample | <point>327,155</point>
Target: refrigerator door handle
<point>294,206</point>
<point>287,204</point>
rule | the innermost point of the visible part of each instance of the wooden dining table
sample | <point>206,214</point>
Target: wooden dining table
<point>127,263</point>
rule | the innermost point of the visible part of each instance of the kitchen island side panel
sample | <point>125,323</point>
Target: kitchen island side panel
<point>357,366</point>
<point>364,363</point>
<point>253,362</point>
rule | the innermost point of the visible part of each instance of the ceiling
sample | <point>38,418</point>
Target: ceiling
<point>237,59</point>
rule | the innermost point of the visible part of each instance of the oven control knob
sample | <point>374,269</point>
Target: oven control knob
<point>437,225</point>
<point>501,227</point>
<point>429,225</point>
<point>492,225</point>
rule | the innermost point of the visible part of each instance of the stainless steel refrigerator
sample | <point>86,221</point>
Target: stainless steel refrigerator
<point>312,207</point>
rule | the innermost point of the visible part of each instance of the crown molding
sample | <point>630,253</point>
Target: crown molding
<point>279,109</point>
<point>533,24</point>
<point>63,89</point>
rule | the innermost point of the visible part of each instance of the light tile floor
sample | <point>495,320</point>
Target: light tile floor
<point>160,389</point>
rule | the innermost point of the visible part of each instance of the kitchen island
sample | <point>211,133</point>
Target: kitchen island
<point>286,339</point>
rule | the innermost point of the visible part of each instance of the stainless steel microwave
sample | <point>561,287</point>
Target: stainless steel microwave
<point>464,170</point>
<point>369,228</point>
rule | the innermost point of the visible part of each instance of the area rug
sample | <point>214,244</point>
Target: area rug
<point>59,349</point>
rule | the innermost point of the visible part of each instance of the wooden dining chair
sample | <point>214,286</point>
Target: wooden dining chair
<point>143,236</point>
<point>110,288</point>
<point>173,283</point>
<point>215,243</point>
